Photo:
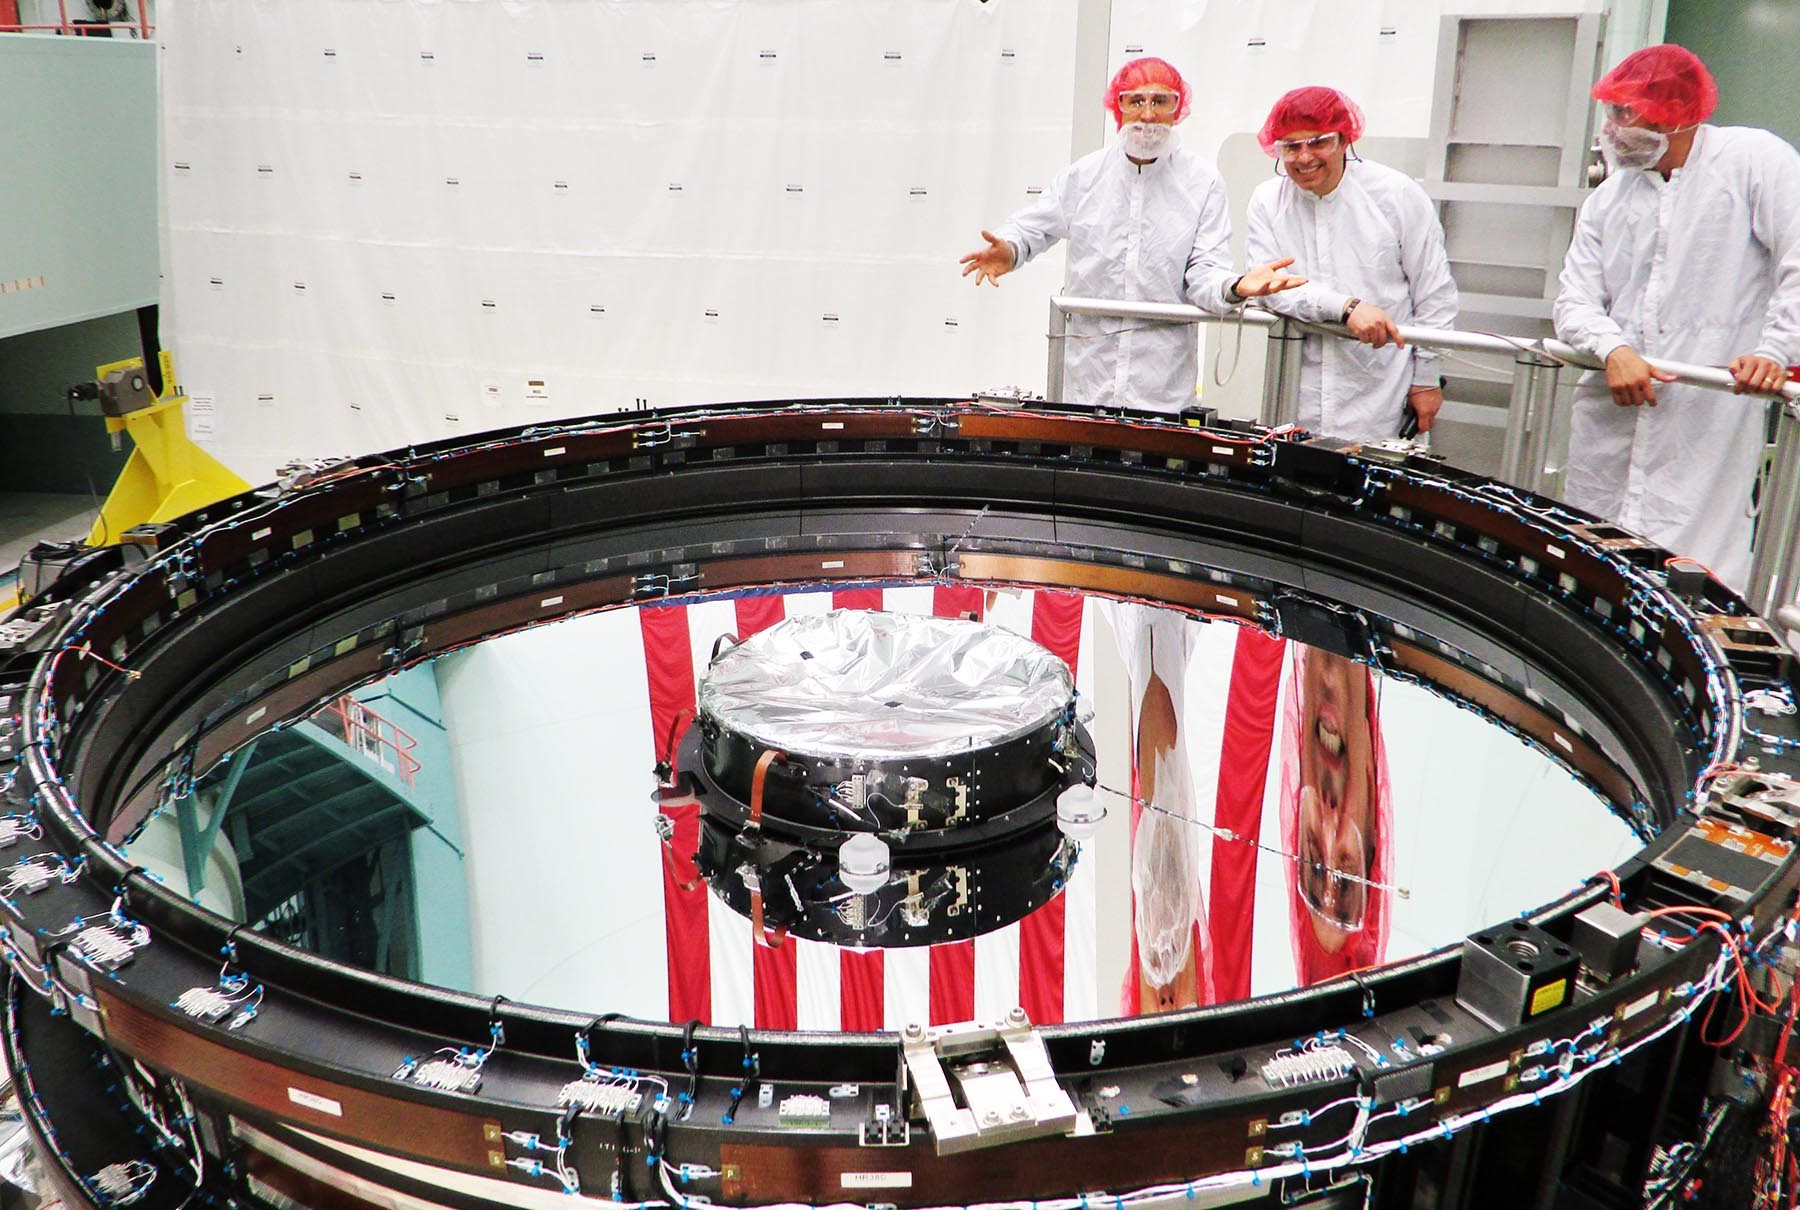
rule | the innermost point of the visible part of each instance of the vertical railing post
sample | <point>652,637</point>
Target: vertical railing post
<point>1053,372</point>
<point>1529,415</point>
<point>1518,409</point>
<point>1542,375</point>
<point>1281,374</point>
<point>1777,518</point>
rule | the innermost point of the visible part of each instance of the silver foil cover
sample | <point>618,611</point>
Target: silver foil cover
<point>854,683</point>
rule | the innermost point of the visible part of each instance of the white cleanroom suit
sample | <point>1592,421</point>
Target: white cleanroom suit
<point>1703,267</point>
<point>1375,237</point>
<point>1159,232</point>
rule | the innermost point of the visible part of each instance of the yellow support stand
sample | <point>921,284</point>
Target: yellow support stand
<point>167,475</point>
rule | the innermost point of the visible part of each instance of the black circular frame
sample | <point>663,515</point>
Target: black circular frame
<point>147,664</point>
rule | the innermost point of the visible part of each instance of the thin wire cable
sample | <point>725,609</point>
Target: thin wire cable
<point>1226,834</point>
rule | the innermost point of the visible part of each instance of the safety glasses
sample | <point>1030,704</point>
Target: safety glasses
<point>1319,144</point>
<point>1148,102</point>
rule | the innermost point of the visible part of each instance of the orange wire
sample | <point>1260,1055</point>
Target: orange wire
<point>757,780</point>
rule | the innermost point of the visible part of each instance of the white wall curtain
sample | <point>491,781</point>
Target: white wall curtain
<point>396,220</point>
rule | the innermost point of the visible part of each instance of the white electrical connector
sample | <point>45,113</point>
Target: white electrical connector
<point>1310,1066</point>
<point>204,1003</point>
<point>449,1070</point>
<point>233,993</point>
<point>123,1183</point>
<point>14,828</point>
<point>447,1075</point>
<point>607,1100</point>
<point>33,874</point>
<point>804,1110</point>
<point>109,944</point>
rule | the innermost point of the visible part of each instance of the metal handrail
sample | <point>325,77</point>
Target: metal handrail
<point>1537,364</point>
<point>1684,371</point>
<point>367,732</point>
<point>64,26</point>
<point>84,29</point>
<point>1429,338</point>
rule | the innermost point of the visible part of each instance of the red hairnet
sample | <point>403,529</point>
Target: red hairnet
<point>1664,85</point>
<point>1140,72</point>
<point>1314,107</point>
<point>1368,946</point>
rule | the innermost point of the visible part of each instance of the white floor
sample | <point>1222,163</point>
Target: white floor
<point>26,517</point>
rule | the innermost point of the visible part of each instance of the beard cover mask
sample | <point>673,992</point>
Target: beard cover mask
<point>1165,875</point>
<point>1147,140</point>
<point>1631,146</point>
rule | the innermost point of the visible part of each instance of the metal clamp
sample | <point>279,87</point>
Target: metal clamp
<point>982,1085</point>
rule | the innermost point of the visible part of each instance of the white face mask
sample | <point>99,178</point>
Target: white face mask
<point>1631,146</point>
<point>1147,140</point>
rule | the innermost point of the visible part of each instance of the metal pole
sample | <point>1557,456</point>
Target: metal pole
<point>1518,414</point>
<point>1541,374</point>
<point>1705,376</point>
<point>1059,344</point>
<point>1281,374</point>
<point>1777,520</point>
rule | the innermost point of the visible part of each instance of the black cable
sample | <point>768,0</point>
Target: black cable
<point>690,1057</point>
<point>752,1074</point>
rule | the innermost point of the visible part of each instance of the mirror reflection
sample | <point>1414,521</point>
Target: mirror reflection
<point>539,816</point>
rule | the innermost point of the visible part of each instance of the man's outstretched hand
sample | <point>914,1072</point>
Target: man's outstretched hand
<point>1267,279</point>
<point>989,263</point>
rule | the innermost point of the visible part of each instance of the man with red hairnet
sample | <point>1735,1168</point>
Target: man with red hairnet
<point>1336,816</point>
<point>1689,251</point>
<point>1147,221</point>
<point>1368,239</point>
